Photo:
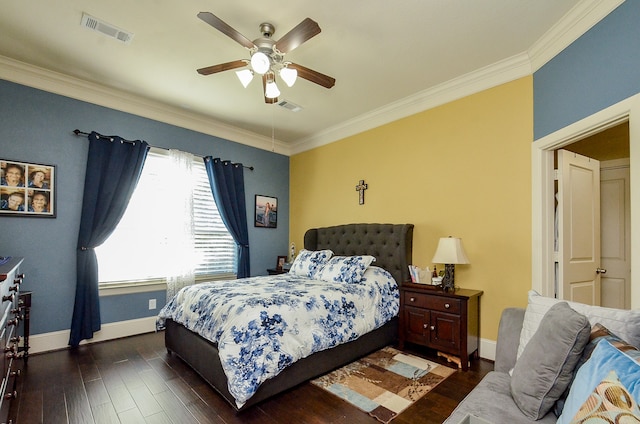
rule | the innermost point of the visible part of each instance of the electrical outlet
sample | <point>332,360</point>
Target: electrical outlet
<point>152,304</point>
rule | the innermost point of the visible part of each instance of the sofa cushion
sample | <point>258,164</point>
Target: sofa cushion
<point>545,368</point>
<point>624,323</point>
<point>491,400</point>
<point>604,358</point>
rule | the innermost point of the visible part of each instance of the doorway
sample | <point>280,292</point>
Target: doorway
<point>543,204</point>
<point>611,273</point>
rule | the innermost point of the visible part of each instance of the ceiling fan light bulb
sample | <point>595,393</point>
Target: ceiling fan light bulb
<point>271,90</point>
<point>260,63</point>
<point>245,76</point>
<point>289,76</point>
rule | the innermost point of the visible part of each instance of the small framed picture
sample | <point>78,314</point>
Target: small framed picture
<point>281,261</point>
<point>266,214</point>
<point>27,189</point>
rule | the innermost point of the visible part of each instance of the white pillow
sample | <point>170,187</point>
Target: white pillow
<point>346,269</point>
<point>623,323</point>
<point>308,262</point>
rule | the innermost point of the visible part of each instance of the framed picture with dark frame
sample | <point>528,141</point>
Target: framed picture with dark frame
<point>266,212</point>
<point>27,189</point>
<point>281,261</point>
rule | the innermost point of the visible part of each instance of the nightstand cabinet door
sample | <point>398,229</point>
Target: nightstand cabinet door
<point>446,331</point>
<point>448,322</point>
<point>416,325</point>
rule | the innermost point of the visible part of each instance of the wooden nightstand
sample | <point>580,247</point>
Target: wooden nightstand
<point>448,322</point>
<point>275,271</point>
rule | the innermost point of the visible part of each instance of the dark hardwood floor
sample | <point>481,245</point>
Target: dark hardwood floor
<point>134,380</point>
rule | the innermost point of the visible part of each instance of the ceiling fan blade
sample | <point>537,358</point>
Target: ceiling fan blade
<point>222,67</point>
<point>224,28</point>
<point>267,100</point>
<point>298,35</point>
<point>313,76</point>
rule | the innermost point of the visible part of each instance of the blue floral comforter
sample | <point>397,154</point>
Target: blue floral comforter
<point>263,324</point>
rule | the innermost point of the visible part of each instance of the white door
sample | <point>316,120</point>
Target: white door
<point>616,234</point>
<point>579,228</point>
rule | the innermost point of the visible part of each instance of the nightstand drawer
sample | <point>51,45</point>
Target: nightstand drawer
<point>436,303</point>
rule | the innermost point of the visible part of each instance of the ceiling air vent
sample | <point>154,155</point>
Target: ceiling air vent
<point>105,28</point>
<point>291,106</point>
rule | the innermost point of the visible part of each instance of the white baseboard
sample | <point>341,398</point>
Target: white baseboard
<point>488,349</point>
<point>60,339</point>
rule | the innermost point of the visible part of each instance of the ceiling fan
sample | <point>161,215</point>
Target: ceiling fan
<point>267,56</point>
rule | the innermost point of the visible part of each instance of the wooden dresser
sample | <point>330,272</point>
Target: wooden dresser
<point>12,313</point>
<point>447,322</point>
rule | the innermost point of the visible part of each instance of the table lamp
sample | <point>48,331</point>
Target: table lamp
<point>449,253</point>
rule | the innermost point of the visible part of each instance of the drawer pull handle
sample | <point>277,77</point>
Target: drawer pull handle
<point>433,327</point>
<point>412,299</point>
<point>11,395</point>
<point>8,297</point>
<point>447,306</point>
<point>21,275</point>
<point>424,325</point>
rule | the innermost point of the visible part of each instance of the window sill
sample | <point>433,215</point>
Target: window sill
<point>131,287</point>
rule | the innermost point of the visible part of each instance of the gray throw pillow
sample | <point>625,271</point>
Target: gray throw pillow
<point>544,370</point>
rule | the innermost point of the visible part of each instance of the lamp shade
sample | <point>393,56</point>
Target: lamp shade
<point>271,90</point>
<point>450,251</point>
<point>289,76</point>
<point>245,76</point>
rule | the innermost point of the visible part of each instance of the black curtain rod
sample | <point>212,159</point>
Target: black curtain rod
<point>78,132</point>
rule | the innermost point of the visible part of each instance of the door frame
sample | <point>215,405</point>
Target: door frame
<point>542,189</point>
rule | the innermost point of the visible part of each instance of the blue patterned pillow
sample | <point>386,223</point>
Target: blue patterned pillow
<point>346,269</point>
<point>308,263</point>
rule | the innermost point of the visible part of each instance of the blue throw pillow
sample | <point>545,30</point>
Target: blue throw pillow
<point>345,269</point>
<point>604,358</point>
<point>309,262</point>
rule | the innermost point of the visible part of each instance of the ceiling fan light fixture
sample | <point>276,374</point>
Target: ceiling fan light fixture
<point>271,90</point>
<point>289,76</point>
<point>245,76</point>
<point>260,62</point>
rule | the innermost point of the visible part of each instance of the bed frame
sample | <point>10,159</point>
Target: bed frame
<point>391,244</point>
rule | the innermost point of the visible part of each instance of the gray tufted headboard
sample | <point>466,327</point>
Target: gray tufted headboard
<point>391,244</point>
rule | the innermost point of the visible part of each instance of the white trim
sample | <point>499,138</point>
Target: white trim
<point>75,88</point>
<point>575,23</point>
<point>493,75</point>
<point>488,349</point>
<point>580,19</point>
<point>57,340</point>
<point>542,188</point>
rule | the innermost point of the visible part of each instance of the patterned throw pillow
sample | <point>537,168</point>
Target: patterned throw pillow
<point>610,402</point>
<point>308,262</point>
<point>604,358</point>
<point>598,332</point>
<point>346,269</point>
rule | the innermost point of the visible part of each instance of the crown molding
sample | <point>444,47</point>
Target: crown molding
<point>580,19</point>
<point>574,24</point>
<point>64,85</point>
<point>482,79</point>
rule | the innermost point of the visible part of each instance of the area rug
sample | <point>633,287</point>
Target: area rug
<point>384,383</point>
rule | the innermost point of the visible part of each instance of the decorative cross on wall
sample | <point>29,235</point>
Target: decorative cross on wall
<point>361,187</point>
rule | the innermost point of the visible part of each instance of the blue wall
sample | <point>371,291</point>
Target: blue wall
<point>598,70</point>
<point>37,127</point>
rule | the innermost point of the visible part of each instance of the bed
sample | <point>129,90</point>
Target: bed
<point>390,244</point>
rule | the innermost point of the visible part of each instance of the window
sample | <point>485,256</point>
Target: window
<point>140,250</point>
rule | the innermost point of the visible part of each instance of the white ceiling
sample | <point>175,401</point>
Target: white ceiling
<point>389,58</point>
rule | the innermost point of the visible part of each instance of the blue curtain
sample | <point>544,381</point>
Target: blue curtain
<point>114,166</point>
<point>227,184</point>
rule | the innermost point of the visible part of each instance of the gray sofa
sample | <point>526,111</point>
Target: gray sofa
<point>491,399</point>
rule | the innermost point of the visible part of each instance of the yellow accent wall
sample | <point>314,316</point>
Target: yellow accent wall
<point>461,169</point>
